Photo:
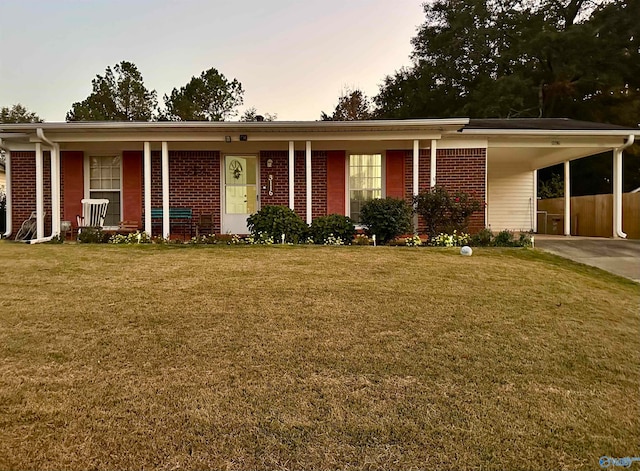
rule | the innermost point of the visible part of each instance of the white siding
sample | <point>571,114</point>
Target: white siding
<point>510,196</point>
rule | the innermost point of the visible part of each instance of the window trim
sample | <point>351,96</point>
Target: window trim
<point>87,180</point>
<point>347,174</point>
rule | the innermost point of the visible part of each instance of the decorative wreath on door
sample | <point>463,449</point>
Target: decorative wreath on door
<point>236,168</point>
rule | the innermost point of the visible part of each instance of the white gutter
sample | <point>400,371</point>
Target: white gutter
<point>55,190</point>
<point>617,187</point>
<point>8,207</point>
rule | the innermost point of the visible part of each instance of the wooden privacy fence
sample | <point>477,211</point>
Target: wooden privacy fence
<point>590,215</point>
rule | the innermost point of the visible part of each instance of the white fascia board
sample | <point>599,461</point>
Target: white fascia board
<point>450,124</point>
<point>251,137</point>
<point>20,146</point>
<point>457,142</point>
<point>551,133</point>
<point>557,141</point>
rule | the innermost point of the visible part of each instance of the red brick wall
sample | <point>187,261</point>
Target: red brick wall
<point>194,182</point>
<point>280,172</point>
<point>23,188</point>
<point>456,169</point>
<point>318,184</point>
<point>464,169</point>
<point>424,171</point>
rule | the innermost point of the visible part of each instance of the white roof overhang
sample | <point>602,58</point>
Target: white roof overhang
<point>218,132</point>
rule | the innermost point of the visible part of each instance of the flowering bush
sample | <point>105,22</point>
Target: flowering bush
<point>450,240</point>
<point>259,239</point>
<point>361,239</point>
<point>444,212</point>
<point>132,238</point>
<point>332,240</point>
<point>204,239</point>
<point>413,241</point>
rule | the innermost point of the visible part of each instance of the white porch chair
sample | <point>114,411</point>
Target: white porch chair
<point>93,213</point>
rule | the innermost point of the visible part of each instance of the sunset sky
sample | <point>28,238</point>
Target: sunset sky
<point>293,58</point>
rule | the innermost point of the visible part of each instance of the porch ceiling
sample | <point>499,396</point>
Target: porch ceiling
<point>544,151</point>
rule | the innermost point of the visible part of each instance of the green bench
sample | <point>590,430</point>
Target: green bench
<point>177,216</point>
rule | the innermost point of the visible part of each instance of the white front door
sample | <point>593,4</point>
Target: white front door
<point>240,174</point>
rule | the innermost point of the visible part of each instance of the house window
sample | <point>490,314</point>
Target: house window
<point>105,182</point>
<point>365,181</point>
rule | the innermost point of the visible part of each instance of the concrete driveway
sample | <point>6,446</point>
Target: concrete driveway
<point>619,256</point>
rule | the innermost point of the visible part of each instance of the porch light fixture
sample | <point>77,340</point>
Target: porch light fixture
<point>227,138</point>
<point>269,163</point>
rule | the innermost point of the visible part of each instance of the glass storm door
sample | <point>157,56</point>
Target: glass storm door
<point>240,192</point>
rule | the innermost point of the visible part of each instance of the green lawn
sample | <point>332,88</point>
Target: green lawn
<point>115,357</point>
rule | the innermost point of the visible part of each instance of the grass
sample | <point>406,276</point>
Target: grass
<point>118,357</point>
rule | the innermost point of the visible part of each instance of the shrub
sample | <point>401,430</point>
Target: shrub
<point>482,238</point>
<point>504,239</point>
<point>92,235</point>
<point>432,205</point>
<point>361,239</point>
<point>386,218</point>
<point>273,221</point>
<point>525,240</point>
<point>443,212</point>
<point>335,225</point>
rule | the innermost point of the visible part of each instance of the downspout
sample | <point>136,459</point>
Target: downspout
<point>7,171</point>
<point>617,190</point>
<point>41,136</point>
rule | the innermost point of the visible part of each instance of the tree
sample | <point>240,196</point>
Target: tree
<point>18,114</point>
<point>209,97</point>
<point>251,114</point>
<point>505,58</point>
<point>353,105</point>
<point>119,95</point>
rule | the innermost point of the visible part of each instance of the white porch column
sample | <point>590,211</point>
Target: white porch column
<point>567,198</point>
<point>292,174</point>
<point>416,166</point>
<point>55,190</point>
<point>307,167</point>
<point>416,176</point>
<point>535,201</point>
<point>434,150</point>
<point>39,192</point>
<point>9,208</point>
<point>166,229</point>
<point>617,194</point>
<point>147,188</point>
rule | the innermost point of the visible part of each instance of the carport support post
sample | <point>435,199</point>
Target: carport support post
<point>416,176</point>
<point>567,198</point>
<point>147,188</point>
<point>165,190</point>
<point>617,193</point>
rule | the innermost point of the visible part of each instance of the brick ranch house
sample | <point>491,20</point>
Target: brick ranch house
<point>230,169</point>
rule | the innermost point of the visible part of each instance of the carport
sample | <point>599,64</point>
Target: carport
<point>517,148</point>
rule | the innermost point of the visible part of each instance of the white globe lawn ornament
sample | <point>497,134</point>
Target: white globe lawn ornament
<point>466,250</point>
